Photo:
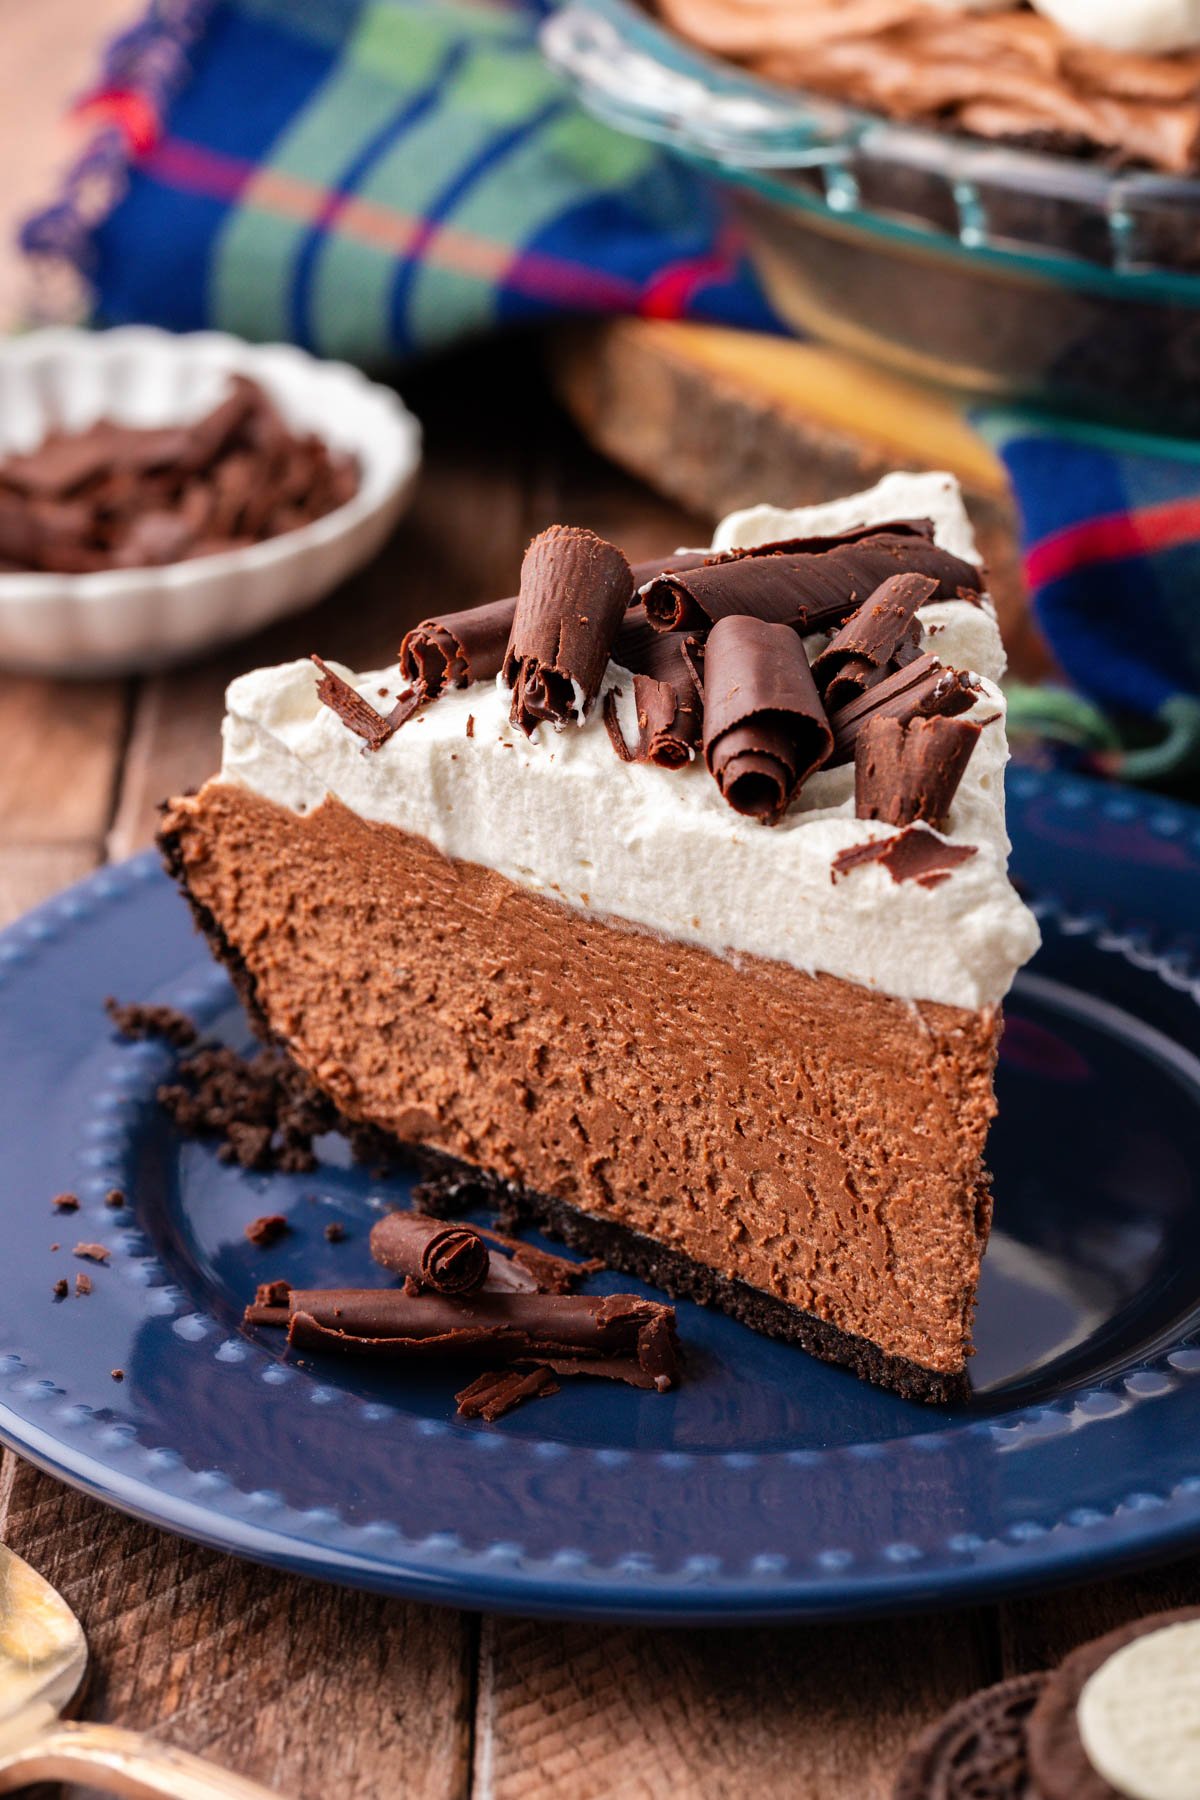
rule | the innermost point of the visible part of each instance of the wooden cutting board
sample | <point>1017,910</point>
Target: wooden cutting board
<point>719,419</point>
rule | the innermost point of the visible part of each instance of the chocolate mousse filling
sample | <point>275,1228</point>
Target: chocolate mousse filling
<point>799,1150</point>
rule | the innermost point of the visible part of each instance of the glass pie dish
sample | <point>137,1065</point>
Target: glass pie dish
<point>1012,274</point>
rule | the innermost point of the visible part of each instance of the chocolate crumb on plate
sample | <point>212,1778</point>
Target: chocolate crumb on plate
<point>83,1285</point>
<point>67,1203</point>
<point>97,1253</point>
<point>267,1230</point>
<point>765,730</point>
<point>976,1751</point>
<point>114,1199</point>
<point>61,1288</point>
<point>118,1374</point>
<point>914,854</point>
<point>335,1232</point>
<point>135,1021</point>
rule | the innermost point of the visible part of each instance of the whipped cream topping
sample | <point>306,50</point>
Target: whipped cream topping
<point>562,815</point>
<point>1142,27</point>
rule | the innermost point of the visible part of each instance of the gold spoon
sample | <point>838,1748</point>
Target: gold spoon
<point>43,1660</point>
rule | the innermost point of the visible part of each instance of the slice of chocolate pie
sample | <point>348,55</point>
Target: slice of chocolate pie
<point>673,899</point>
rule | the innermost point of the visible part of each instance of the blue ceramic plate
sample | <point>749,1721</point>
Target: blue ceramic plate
<point>769,1485</point>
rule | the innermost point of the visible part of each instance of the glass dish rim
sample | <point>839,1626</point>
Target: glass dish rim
<point>636,74</point>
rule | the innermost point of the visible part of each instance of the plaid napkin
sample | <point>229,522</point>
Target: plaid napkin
<point>375,178</point>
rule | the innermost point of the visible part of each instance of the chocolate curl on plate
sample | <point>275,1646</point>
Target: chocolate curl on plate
<point>357,714</point>
<point>498,1392</point>
<point>909,772</point>
<point>765,730</point>
<point>453,1259</point>
<point>923,690</point>
<point>455,649</point>
<point>665,694</point>
<point>575,589</point>
<point>885,630</point>
<point>808,589</point>
<point>569,1332</point>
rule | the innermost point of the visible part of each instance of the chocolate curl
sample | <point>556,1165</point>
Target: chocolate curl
<point>923,690</point>
<point>492,1395</point>
<point>807,588</point>
<point>885,630</point>
<point>909,772</point>
<point>575,588</point>
<point>453,1259</point>
<point>765,730</point>
<point>914,854</point>
<point>506,1328</point>
<point>666,697</point>
<point>455,649</point>
<point>540,1270</point>
<point>357,714</point>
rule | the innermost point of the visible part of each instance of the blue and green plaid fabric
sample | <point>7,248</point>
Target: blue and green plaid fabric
<point>377,178</point>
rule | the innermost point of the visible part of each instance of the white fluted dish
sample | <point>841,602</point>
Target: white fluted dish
<point>117,621</point>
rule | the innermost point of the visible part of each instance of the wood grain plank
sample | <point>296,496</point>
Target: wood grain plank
<point>821,1713</point>
<point>62,749</point>
<point>30,872</point>
<point>309,1689</point>
<point>1038,1632</point>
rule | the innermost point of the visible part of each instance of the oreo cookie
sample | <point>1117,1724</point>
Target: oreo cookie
<point>1059,1762</point>
<point>978,1750</point>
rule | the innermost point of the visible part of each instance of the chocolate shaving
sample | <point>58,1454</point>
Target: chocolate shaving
<point>924,689</point>
<point>884,632</point>
<point>549,1274</point>
<point>453,1259</point>
<point>914,854</point>
<point>666,697</point>
<point>765,730</point>
<point>119,496</point>
<point>135,1022</point>
<point>358,714</point>
<point>909,772</point>
<point>637,1334</point>
<point>807,589</point>
<point>575,589</point>
<point>492,1395</point>
<point>455,649</point>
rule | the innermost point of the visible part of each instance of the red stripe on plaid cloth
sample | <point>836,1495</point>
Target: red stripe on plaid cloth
<point>192,168</point>
<point>1112,538</point>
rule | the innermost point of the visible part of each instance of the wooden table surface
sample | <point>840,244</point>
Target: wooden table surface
<point>311,1689</point>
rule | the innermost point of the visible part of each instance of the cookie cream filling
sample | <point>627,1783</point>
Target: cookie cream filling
<point>561,815</point>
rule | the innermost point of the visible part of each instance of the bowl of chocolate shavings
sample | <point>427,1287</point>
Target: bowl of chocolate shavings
<point>162,494</point>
